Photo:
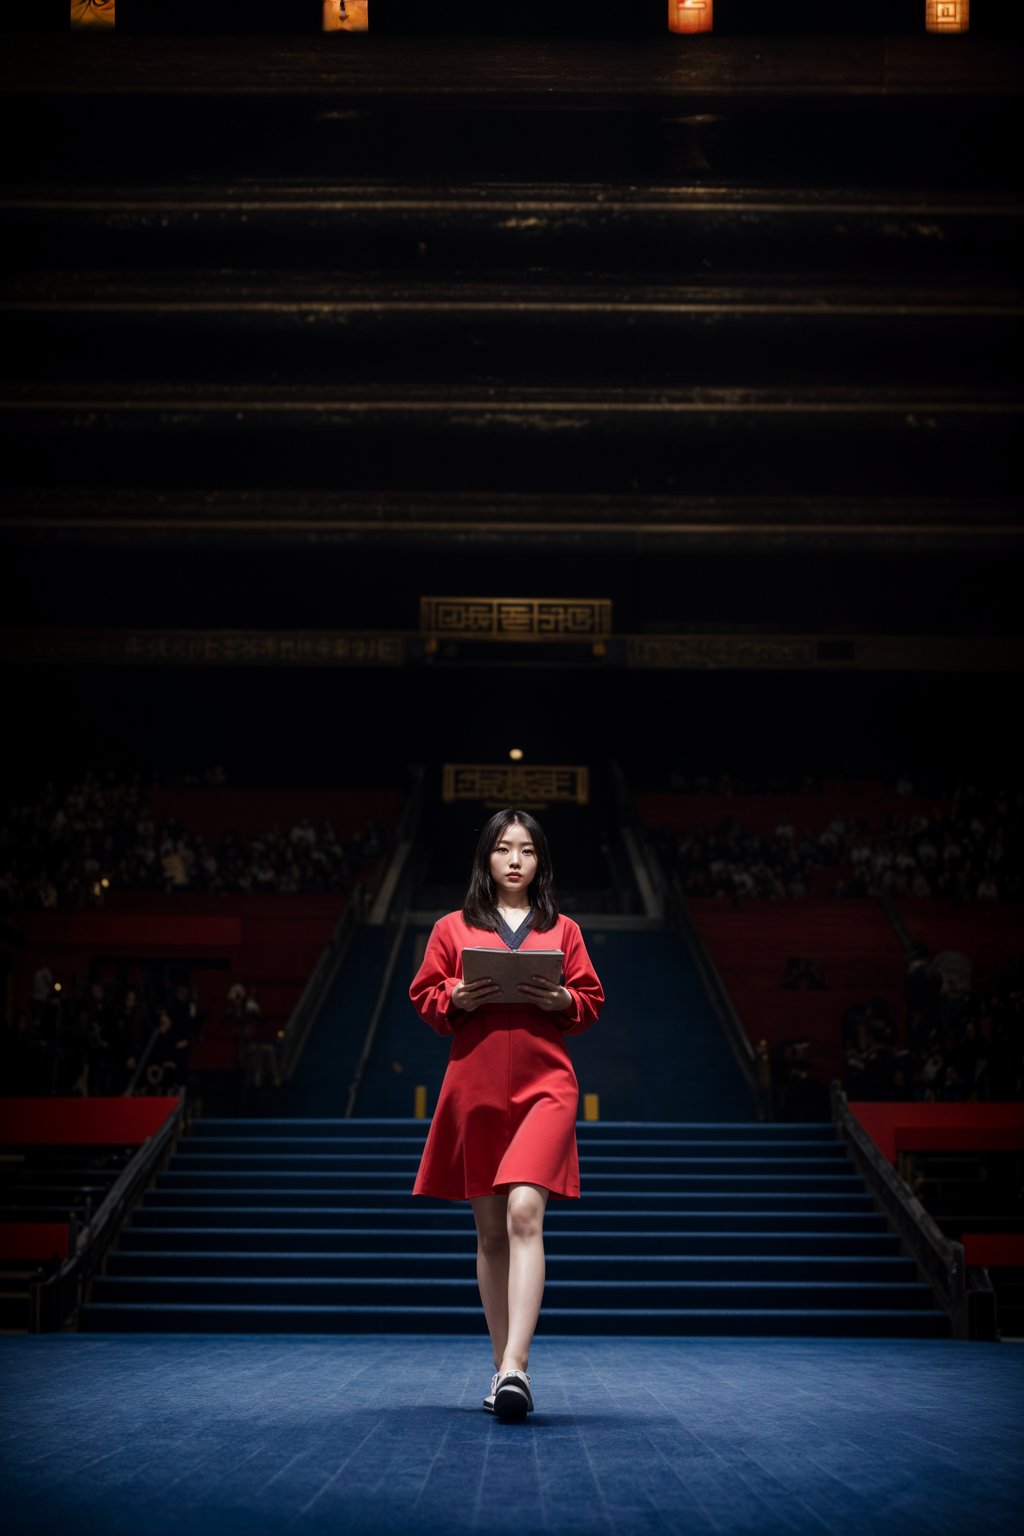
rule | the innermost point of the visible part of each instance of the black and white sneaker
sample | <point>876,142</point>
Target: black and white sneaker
<point>489,1399</point>
<point>512,1396</point>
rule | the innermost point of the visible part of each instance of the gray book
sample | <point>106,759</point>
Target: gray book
<point>508,967</point>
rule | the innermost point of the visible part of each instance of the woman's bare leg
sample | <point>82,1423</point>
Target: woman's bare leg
<point>490,1215</point>
<point>526,1206</point>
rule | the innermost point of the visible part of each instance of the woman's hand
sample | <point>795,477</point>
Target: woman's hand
<point>473,994</point>
<point>543,995</point>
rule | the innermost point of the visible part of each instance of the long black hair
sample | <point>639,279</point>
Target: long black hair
<point>479,910</point>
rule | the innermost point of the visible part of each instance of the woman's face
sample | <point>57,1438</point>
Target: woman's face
<point>513,864</point>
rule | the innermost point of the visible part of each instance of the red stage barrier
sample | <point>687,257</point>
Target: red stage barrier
<point>896,1128</point>
<point>35,1240</point>
<point>82,1122</point>
<point>994,1250</point>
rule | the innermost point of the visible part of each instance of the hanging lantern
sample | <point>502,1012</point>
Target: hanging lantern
<point>346,16</point>
<point>690,15</point>
<point>947,15</point>
<point>92,13</point>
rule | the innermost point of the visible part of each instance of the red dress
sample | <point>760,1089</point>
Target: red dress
<point>506,1113</point>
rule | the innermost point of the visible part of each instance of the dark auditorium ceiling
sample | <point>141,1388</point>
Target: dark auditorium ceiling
<point>724,333</point>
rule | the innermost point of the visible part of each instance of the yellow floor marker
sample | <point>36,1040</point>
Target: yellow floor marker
<point>419,1102</point>
<point>591,1106</point>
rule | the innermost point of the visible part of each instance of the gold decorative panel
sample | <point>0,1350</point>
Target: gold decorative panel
<point>834,653</point>
<point>381,648</point>
<point>516,618</point>
<point>198,647</point>
<point>515,783</point>
<point>696,651</point>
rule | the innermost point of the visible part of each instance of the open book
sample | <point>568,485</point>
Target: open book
<point>508,967</point>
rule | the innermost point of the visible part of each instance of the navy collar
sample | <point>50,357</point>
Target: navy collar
<point>513,938</point>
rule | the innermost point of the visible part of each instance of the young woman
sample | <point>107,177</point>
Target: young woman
<point>503,1135</point>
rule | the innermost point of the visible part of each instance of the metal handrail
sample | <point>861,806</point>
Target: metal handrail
<point>405,838</point>
<point>371,1031</point>
<point>300,1023</point>
<point>729,1020</point>
<point>646,869</point>
<point>409,819</point>
<point>670,902</point>
<point>59,1296</point>
<point>402,844</point>
<point>896,922</point>
<point>940,1261</point>
<point>142,1063</point>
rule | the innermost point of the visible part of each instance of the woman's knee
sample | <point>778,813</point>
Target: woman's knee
<point>491,1227</point>
<point>525,1212</point>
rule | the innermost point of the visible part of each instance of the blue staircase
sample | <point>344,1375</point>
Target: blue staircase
<point>308,1226</point>
<point>325,1070</point>
<point>657,1047</point>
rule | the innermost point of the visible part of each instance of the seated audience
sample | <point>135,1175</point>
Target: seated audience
<point>969,849</point>
<point>972,1050</point>
<point>72,849</point>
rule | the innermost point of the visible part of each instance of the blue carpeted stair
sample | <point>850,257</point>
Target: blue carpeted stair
<point>308,1226</point>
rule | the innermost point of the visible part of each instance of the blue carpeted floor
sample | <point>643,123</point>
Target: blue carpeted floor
<point>154,1434</point>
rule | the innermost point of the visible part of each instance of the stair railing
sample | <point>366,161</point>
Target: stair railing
<point>662,901</point>
<point>940,1261</point>
<point>143,1062</point>
<point>301,1023</point>
<point>896,922</point>
<point>303,1016</point>
<point>371,1031</point>
<point>729,1020</point>
<point>402,845</point>
<point>57,1297</point>
<point>646,871</point>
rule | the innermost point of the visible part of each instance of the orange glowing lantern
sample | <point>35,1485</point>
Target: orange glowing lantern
<point>690,15</point>
<point>92,13</point>
<point>947,15</point>
<point>346,16</point>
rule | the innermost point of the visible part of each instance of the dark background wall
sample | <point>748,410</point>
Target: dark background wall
<point>324,728</point>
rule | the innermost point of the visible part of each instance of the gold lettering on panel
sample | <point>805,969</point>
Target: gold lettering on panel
<point>516,784</point>
<point>713,651</point>
<point>516,618</point>
<point>199,647</point>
